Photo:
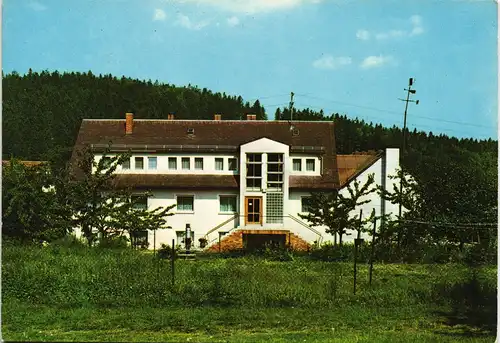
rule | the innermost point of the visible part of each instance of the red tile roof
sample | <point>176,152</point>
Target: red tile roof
<point>350,166</point>
<point>155,181</point>
<point>221,136</point>
<point>209,135</point>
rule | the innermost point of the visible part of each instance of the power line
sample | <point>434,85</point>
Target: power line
<point>391,112</point>
<point>357,115</point>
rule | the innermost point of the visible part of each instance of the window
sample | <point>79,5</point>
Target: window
<point>139,239</point>
<point>172,163</point>
<point>198,163</point>
<point>233,164</point>
<point>275,172</point>
<point>297,164</point>
<point>306,204</point>
<point>139,163</point>
<point>310,164</point>
<point>185,203</point>
<point>152,162</point>
<point>126,164</point>
<point>219,164</point>
<point>140,202</point>
<point>227,203</point>
<point>254,172</point>
<point>186,163</point>
<point>274,208</point>
<point>106,162</point>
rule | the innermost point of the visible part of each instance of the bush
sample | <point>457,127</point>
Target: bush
<point>69,241</point>
<point>120,242</point>
<point>165,251</point>
<point>329,252</point>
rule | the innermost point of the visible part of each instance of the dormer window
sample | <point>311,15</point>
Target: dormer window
<point>190,131</point>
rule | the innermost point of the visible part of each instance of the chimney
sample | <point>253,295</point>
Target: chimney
<point>170,116</point>
<point>217,116</point>
<point>129,123</point>
<point>251,117</point>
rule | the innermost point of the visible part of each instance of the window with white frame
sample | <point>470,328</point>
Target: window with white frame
<point>139,163</point>
<point>305,204</point>
<point>254,172</point>
<point>275,172</point>
<point>310,164</point>
<point>227,203</point>
<point>152,162</point>
<point>219,163</point>
<point>186,163</point>
<point>198,163</point>
<point>140,202</point>
<point>172,163</point>
<point>139,239</point>
<point>232,164</point>
<point>126,164</point>
<point>185,203</point>
<point>297,164</point>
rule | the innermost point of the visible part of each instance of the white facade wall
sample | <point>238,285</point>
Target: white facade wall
<point>206,214</point>
<point>382,169</point>
<point>163,167</point>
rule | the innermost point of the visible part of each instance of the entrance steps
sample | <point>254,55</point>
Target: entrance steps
<point>234,241</point>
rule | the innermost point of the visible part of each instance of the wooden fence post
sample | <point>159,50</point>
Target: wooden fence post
<point>373,249</point>
<point>172,261</point>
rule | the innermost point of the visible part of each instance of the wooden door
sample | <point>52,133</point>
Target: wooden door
<point>253,210</point>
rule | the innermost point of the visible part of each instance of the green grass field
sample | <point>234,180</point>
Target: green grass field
<point>60,294</point>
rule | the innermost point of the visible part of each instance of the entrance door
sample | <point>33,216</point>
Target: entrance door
<point>253,209</point>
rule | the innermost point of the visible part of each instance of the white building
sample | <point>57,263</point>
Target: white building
<point>243,182</point>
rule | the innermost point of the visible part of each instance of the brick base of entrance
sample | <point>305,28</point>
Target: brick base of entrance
<point>235,240</point>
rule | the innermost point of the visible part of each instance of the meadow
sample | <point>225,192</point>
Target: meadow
<point>59,294</point>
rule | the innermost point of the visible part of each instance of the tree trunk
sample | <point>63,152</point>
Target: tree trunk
<point>335,239</point>
<point>340,239</point>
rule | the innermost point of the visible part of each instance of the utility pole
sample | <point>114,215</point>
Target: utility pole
<point>403,144</point>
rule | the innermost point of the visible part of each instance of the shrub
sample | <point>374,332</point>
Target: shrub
<point>165,251</point>
<point>120,242</point>
<point>69,241</point>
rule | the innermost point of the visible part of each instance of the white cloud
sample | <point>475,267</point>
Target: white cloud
<point>377,61</point>
<point>250,6</point>
<point>159,14</point>
<point>36,6</point>
<point>416,21</point>
<point>417,29</point>
<point>363,35</point>
<point>390,34</point>
<point>186,22</point>
<point>329,62</point>
<point>233,21</point>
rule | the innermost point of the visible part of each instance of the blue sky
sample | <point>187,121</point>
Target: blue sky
<point>352,57</point>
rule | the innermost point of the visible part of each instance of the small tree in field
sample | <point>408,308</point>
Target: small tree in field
<point>128,218</point>
<point>410,200</point>
<point>100,208</point>
<point>337,211</point>
<point>31,211</point>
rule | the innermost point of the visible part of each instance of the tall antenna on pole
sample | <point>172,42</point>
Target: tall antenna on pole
<point>291,106</point>
<point>403,143</point>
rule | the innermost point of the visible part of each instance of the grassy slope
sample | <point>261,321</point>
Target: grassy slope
<point>58,294</point>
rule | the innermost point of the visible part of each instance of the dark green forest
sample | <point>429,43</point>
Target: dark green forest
<point>43,111</point>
